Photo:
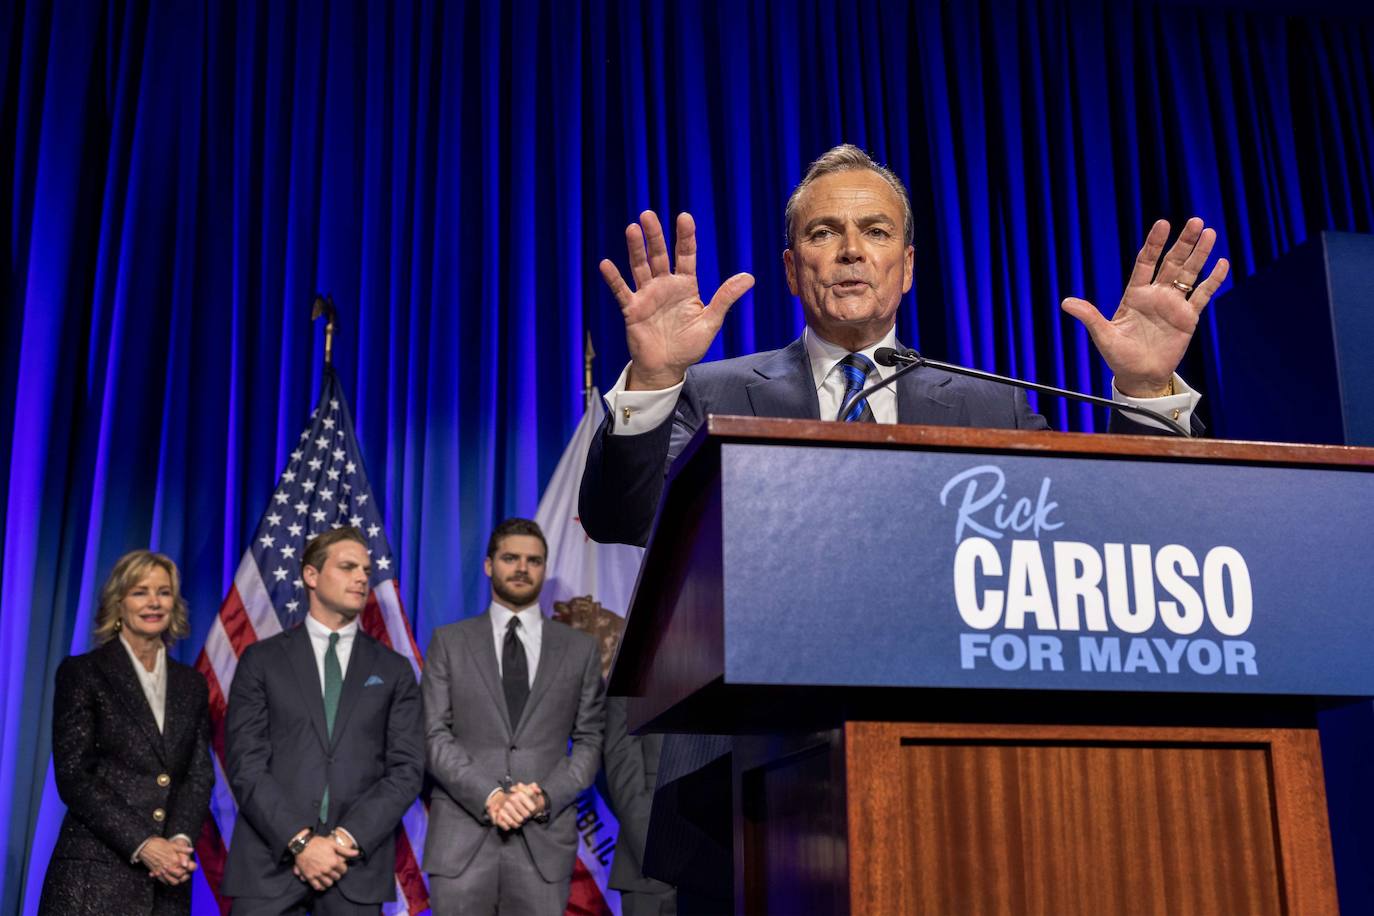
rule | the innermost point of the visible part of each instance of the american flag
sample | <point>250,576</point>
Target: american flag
<point>323,487</point>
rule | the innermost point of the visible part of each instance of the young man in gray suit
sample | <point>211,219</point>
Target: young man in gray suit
<point>504,693</point>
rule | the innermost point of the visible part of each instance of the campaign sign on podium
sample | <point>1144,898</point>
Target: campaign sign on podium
<point>1020,571</point>
<point>930,644</point>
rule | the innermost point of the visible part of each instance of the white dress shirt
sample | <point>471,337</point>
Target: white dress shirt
<point>319,641</point>
<point>530,633</point>
<point>638,412</point>
<point>154,683</point>
<point>830,379</point>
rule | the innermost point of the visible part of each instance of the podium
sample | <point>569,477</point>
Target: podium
<point>975,670</point>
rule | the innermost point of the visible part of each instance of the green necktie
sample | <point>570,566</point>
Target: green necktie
<point>333,686</point>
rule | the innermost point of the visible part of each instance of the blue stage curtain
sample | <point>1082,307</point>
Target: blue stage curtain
<point>180,177</point>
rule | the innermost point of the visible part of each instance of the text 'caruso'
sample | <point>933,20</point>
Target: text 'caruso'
<point>1151,594</point>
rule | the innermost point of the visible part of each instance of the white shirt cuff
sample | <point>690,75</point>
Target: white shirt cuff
<point>1177,406</point>
<point>635,412</point>
<point>133,860</point>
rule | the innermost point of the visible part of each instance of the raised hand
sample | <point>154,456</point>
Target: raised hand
<point>667,326</point>
<point>1145,340</point>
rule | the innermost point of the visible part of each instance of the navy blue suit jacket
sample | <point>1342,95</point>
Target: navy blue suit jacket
<point>623,481</point>
<point>280,756</point>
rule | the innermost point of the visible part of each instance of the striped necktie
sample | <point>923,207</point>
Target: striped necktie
<point>856,368</point>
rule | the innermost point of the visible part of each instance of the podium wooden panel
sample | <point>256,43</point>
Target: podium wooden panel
<point>877,799</point>
<point>889,817</point>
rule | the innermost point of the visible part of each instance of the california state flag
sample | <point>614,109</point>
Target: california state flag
<point>588,586</point>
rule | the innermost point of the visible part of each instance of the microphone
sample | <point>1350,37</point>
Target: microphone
<point>911,360</point>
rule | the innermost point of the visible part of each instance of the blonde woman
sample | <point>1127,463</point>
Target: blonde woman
<point>131,733</point>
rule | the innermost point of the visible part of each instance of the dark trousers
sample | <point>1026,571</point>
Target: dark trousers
<point>301,900</point>
<point>691,827</point>
<point>648,903</point>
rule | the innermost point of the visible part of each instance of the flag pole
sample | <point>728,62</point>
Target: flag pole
<point>324,305</point>
<point>588,357</point>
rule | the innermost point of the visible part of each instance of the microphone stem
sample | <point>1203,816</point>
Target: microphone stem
<point>1050,389</point>
<point>916,361</point>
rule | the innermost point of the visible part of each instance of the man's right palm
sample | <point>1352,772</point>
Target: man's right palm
<point>667,326</point>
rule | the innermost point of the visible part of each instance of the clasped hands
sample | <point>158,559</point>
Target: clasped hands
<point>324,860</point>
<point>510,808</point>
<point>169,861</point>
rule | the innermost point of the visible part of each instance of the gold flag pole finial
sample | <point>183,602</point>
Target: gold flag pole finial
<point>324,305</point>
<point>588,356</point>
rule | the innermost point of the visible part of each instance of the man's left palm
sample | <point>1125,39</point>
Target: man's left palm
<point>1145,340</point>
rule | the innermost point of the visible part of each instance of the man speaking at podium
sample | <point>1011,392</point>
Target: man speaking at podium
<point>849,259</point>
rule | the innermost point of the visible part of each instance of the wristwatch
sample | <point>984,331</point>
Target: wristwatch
<point>299,842</point>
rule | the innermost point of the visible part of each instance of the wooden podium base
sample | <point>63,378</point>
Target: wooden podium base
<point>881,817</point>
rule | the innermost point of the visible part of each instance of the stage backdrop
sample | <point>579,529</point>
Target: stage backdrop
<point>180,177</point>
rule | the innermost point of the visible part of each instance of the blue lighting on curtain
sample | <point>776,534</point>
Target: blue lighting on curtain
<point>180,178</point>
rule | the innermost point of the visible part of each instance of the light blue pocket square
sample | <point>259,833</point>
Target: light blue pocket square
<point>373,681</point>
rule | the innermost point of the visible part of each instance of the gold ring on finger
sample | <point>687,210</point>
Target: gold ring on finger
<point>1182,287</point>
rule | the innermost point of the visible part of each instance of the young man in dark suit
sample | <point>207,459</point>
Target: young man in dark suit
<point>325,751</point>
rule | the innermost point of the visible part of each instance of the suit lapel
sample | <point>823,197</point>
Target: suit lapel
<point>360,663</point>
<point>922,398</point>
<point>785,387</point>
<point>301,656</point>
<point>177,714</point>
<point>551,657</point>
<point>481,646</point>
<point>118,669</point>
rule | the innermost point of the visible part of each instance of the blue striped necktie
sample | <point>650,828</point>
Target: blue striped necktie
<point>856,368</point>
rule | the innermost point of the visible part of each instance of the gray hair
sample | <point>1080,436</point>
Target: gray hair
<point>849,158</point>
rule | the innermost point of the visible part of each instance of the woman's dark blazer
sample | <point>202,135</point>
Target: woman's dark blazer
<point>123,781</point>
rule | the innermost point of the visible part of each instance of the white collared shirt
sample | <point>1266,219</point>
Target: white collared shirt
<point>154,683</point>
<point>830,379</point>
<point>530,633</point>
<point>638,412</point>
<point>319,641</point>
